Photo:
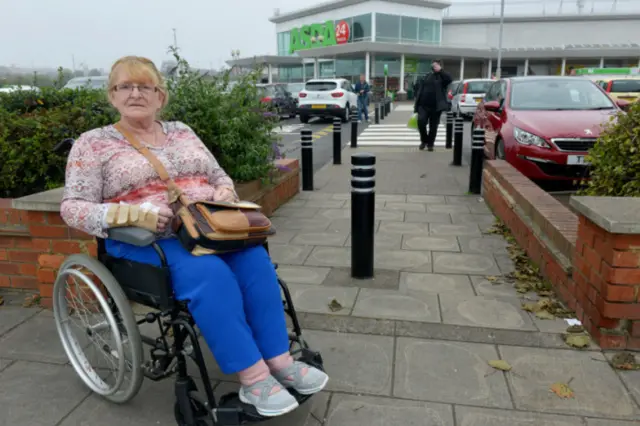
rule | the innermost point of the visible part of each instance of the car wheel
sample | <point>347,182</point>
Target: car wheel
<point>500,154</point>
<point>346,114</point>
<point>304,119</point>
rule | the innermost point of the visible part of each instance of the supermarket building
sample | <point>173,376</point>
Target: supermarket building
<point>346,38</point>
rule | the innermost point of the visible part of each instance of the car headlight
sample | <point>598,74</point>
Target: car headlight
<point>526,138</point>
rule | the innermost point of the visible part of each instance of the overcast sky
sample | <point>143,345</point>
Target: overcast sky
<point>48,33</point>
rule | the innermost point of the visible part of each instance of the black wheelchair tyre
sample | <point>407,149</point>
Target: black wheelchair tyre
<point>201,414</point>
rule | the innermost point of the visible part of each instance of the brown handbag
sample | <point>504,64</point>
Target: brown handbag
<point>208,227</point>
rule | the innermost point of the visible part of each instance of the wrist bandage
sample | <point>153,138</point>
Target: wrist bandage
<point>142,216</point>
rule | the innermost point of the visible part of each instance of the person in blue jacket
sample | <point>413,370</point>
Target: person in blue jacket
<point>362,90</point>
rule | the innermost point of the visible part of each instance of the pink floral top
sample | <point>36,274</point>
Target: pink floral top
<point>104,168</point>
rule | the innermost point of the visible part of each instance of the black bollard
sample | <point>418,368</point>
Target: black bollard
<point>307,159</point>
<point>354,129</point>
<point>337,141</point>
<point>458,129</point>
<point>449,134</point>
<point>376,113</point>
<point>363,202</point>
<point>388,106</point>
<point>381,106</point>
<point>477,158</point>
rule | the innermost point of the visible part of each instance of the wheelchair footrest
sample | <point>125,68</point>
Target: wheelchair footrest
<point>233,412</point>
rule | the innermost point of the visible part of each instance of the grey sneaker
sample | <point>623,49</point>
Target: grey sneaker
<point>268,404</point>
<point>312,382</point>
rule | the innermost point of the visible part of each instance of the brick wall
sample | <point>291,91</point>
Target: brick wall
<point>594,273</point>
<point>33,244</point>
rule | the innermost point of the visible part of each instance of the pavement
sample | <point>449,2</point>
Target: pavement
<point>409,347</point>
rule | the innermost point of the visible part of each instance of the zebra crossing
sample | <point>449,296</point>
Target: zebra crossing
<point>396,135</point>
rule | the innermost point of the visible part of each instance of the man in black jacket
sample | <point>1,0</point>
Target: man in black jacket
<point>431,100</point>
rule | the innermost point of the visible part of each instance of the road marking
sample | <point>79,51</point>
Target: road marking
<point>396,135</point>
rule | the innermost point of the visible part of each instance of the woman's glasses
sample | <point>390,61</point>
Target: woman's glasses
<point>144,89</point>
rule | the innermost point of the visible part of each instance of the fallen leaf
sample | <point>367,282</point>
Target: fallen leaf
<point>530,306</point>
<point>578,340</point>
<point>501,365</point>
<point>562,390</point>
<point>625,361</point>
<point>575,329</point>
<point>545,293</point>
<point>491,278</point>
<point>335,306</point>
<point>545,315</point>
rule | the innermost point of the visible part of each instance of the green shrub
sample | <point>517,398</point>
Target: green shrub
<point>615,158</point>
<point>230,121</point>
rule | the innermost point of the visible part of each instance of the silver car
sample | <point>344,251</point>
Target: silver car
<point>468,95</point>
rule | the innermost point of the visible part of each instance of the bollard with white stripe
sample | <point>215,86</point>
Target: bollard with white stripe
<point>377,113</point>
<point>449,134</point>
<point>337,140</point>
<point>354,129</point>
<point>458,129</point>
<point>307,159</point>
<point>477,158</point>
<point>363,206</point>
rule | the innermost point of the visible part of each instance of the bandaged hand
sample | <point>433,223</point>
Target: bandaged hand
<point>146,215</point>
<point>225,193</point>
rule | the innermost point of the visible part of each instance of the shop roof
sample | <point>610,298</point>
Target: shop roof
<point>265,59</point>
<point>331,5</point>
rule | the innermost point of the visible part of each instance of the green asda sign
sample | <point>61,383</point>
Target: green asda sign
<point>315,35</point>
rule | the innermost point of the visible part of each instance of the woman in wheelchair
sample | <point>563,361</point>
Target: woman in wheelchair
<point>234,298</point>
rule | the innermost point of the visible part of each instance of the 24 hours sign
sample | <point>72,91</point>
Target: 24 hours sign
<point>318,35</point>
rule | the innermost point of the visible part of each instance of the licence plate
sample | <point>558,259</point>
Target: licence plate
<point>478,100</point>
<point>319,106</point>
<point>577,160</point>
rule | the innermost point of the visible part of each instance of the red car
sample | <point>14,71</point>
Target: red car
<point>543,125</point>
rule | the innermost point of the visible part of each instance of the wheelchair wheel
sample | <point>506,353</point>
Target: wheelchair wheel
<point>198,408</point>
<point>96,326</point>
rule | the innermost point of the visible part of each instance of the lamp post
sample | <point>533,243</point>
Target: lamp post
<point>499,64</point>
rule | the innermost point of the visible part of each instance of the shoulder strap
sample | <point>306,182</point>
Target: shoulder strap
<point>175,192</point>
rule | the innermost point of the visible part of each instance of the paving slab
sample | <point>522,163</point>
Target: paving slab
<point>430,243</point>
<point>306,224</point>
<point>282,236</point>
<point>481,219</point>
<point>297,212</point>
<point>449,365</point>
<point>464,263</point>
<point>427,217</point>
<point>498,288</point>
<point>472,416</point>
<point>383,240</point>
<point>389,304</point>
<point>11,316</point>
<point>479,208</point>
<point>406,207</point>
<point>485,244</point>
<point>329,256</point>
<point>315,298</point>
<point>325,204</point>
<point>505,264</point>
<point>37,394</point>
<point>447,208</point>
<point>289,254</point>
<point>411,282</point>
<point>302,274</point>
<point>351,410</point>
<point>4,363</point>
<point>426,199</point>
<point>630,378</point>
<point>152,406</point>
<point>457,230</point>
<point>388,227</point>
<point>326,238</point>
<point>480,311</point>
<point>390,198</point>
<point>332,214</point>
<point>403,260</point>
<point>598,390</point>
<point>356,363</point>
<point>382,279</point>
<point>36,339</point>
<point>605,422</point>
<point>463,199</point>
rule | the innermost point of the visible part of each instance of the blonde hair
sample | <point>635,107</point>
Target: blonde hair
<point>139,70</point>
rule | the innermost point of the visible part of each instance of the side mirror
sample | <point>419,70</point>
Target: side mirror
<point>623,105</point>
<point>492,106</point>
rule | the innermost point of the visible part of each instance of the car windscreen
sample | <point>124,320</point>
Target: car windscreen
<point>265,91</point>
<point>295,87</point>
<point>625,86</point>
<point>558,94</point>
<point>321,86</point>
<point>478,87</point>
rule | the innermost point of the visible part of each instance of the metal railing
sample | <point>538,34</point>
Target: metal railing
<point>475,8</point>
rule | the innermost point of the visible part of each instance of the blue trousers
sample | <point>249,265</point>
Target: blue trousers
<point>363,107</point>
<point>234,299</point>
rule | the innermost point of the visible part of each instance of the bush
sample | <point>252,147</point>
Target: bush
<point>615,158</point>
<point>230,121</point>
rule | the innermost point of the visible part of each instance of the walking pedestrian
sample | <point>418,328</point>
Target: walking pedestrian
<point>362,89</point>
<point>431,100</point>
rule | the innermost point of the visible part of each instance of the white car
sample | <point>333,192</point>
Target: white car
<point>468,94</point>
<point>327,97</point>
<point>24,88</point>
<point>97,82</point>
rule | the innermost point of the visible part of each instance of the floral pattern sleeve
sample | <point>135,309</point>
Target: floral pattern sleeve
<point>82,204</point>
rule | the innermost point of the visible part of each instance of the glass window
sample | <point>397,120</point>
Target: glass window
<point>387,27</point>
<point>558,94</point>
<point>428,31</point>
<point>622,86</point>
<point>321,86</point>
<point>350,67</point>
<point>409,28</point>
<point>393,64</point>
<point>284,39</point>
<point>476,87</point>
<point>361,28</point>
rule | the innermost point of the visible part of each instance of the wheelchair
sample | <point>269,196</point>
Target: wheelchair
<point>122,282</point>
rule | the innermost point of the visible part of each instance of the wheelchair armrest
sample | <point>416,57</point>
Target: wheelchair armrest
<point>131,235</point>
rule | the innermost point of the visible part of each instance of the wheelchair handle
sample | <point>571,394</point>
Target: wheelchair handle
<point>64,146</point>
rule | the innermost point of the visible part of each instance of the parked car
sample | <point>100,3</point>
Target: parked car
<point>468,95</point>
<point>97,82</point>
<point>278,98</point>
<point>16,88</point>
<point>452,89</point>
<point>544,126</point>
<point>333,97</point>
<point>295,89</point>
